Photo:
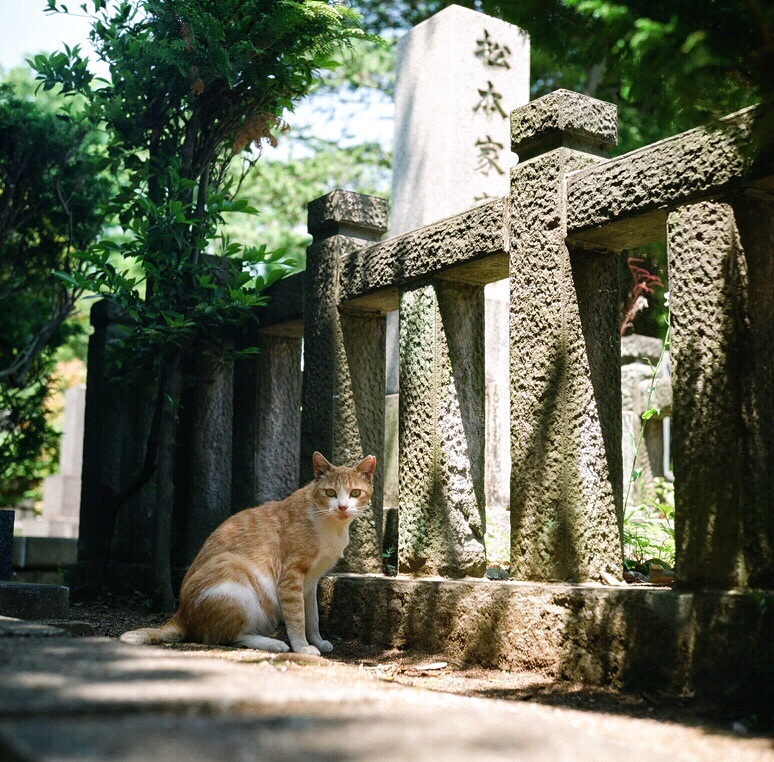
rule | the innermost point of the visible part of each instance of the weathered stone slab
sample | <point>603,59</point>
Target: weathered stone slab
<point>565,386</point>
<point>459,74</point>
<point>714,643</point>
<point>441,457</point>
<point>698,162</point>
<point>44,552</point>
<point>471,246</point>
<point>344,366</point>
<point>720,270</point>
<point>25,600</point>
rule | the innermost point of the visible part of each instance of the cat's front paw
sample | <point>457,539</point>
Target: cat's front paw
<point>325,646</point>
<point>313,650</point>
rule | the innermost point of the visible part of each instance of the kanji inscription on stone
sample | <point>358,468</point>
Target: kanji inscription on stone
<point>488,156</point>
<point>489,103</point>
<point>491,52</point>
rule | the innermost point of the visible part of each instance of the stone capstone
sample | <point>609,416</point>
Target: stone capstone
<point>348,214</point>
<point>566,119</point>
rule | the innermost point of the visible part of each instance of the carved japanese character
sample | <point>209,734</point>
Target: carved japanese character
<point>492,53</point>
<point>488,156</point>
<point>490,102</point>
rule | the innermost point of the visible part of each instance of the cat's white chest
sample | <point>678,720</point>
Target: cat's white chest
<point>332,544</point>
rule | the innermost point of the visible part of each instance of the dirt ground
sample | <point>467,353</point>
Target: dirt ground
<point>110,616</point>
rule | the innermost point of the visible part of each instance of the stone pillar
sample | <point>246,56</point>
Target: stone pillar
<point>205,469</point>
<point>441,521</point>
<point>279,418</point>
<point>344,361</point>
<point>116,424</point>
<point>244,479</point>
<point>267,418</point>
<point>565,358</point>
<point>720,274</point>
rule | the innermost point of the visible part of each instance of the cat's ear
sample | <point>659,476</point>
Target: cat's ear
<point>321,466</point>
<point>367,466</point>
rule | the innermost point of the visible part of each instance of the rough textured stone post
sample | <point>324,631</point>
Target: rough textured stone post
<point>720,274</point>
<point>344,360</point>
<point>279,417</point>
<point>565,367</point>
<point>116,424</point>
<point>441,521</point>
<point>267,419</point>
<point>206,466</point>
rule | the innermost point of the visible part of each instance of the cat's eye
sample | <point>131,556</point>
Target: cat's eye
<point>330,492</point>
<point>355,493</point>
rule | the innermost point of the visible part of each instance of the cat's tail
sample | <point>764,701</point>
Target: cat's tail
<point>171,632</point>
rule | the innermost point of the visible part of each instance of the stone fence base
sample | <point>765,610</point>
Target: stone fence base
<point>715,643</point>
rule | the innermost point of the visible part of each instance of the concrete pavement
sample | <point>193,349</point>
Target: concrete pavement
<point>64,698</point>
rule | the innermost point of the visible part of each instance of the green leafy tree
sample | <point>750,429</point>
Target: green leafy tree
<point>51,196</point>
<point>283,187</point>
<point>667,65</point>
<point>192,83</point>
<point>308,166</point>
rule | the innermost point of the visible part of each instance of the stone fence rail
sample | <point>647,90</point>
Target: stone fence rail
<point>557,238</point>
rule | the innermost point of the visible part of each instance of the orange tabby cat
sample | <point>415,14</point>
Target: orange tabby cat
<point>262,565</point>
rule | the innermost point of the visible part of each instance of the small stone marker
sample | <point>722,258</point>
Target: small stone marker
<point>6,543</point>
<point>62,491</point>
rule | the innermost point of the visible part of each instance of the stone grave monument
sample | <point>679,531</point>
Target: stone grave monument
<point>459,75</point>
<point>62,491</point>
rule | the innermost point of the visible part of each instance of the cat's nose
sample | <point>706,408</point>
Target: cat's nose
<point>343,507</point>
